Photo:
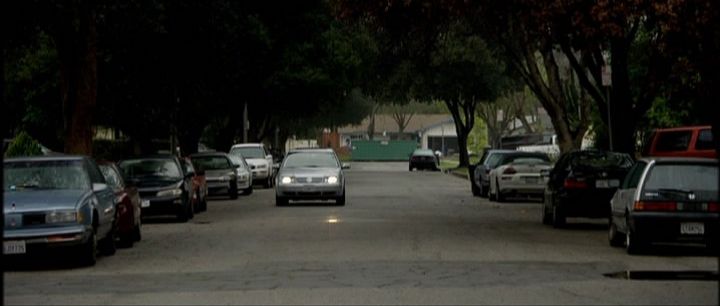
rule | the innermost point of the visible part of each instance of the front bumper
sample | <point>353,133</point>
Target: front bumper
<point>309,191</point>
<point>666,226</point>
<point>260,174</point>
<point>38,239</point>
<point>161,205</point>
<point>219,187</point>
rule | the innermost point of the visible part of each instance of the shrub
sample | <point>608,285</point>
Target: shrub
<point>23,145</point>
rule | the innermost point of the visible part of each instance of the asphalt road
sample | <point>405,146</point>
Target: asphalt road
<point>402,238</point>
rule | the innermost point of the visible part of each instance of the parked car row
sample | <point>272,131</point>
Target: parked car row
<point>670,196</point>
<point>79,206</point>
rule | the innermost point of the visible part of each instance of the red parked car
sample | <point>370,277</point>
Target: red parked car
<point>200,187</point>
<point>128,206</point>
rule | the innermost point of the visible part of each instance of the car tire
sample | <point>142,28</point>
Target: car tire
<point>558,216</point>
<point>546,216</point>
<point>483,190</point>
<point>184,211</point>
<point>474,188</point>
<point>87,252</point>
<point>107,246</point>
<point>498,195</point>
<point>633,245</point>
<point>281,201</point>
<point>248,191</point>
<point>233,191</point>
<point>614,237</point>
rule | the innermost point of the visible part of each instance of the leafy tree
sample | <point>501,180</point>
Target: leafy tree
<point>23,145</point>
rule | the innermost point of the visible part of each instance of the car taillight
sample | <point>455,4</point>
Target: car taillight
<point>575,183</point>
<point>655,206</point>
<point>509,170</point>
<point>713,207</point>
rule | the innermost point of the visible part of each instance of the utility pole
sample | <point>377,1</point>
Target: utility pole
<point>607,83</point>
<point>245,123</point>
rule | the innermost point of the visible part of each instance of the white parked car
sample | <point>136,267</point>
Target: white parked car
<point>519,174</point>
<point>259,159</point>
<point>244,174</point>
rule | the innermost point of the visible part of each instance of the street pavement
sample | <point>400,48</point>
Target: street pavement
<point>402,238</point>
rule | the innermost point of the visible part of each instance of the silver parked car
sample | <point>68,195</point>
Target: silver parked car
<point>244,173</point>
<point>666,200</point>
<point>259,159</point>
<point>57,202</point>
<point>310,174</point>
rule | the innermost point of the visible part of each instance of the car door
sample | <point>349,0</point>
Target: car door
<point>624,197</point>
<point>106,199</point>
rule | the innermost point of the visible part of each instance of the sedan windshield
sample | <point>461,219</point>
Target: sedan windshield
<point>311,160</point>
<point>212,162</point>
<point>237,159</point>
<point>60,174</point>
<point>163,168</point>
<point>249,152</point>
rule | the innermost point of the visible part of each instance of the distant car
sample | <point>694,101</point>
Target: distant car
<point>259,158</point>
<point>480,180</point>
<point>666,200</point>
<point>127,204</point>
<point>244,174</point>
<point>424,159</point>
<point>220,173</point>
<point>689,141</point>
<point>57,202</point>
<point>582,183</point>
<point>199,185</point>
<point>312,174</point>
<point>519,175</point>
<point>163,185</point>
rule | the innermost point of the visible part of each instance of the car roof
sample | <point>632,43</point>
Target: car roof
<point>679,160</point>
<point>214,153</point>
<point>318,150</point>
<point>45,158</point>
<point>151,156</point>
<point>247,145</point>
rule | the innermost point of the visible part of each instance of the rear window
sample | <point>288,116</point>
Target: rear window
<point>601,160</point>
<point>683,177</point>
<point>705,140</point>
<point>530,161</point>
<point>212,162</point>
<point>673,141</point>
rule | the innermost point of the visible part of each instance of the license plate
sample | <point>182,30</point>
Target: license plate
<point>607,183</point>
<point>145,203</point>
<point>531,180</point>
<point>692,228</point>
<point>14,247</point>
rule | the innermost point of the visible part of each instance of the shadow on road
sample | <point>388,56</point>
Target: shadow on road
<point>46,261</point>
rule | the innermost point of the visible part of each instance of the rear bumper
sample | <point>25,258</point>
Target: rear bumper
<point>520,185</point>
<point>666,226</point>
<point>593,203</point>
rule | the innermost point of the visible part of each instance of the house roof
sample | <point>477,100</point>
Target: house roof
<point>385,122</point>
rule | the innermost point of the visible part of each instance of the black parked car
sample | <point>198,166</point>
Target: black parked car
<point>424,159</point>
<point>582,183</point>
<point>163,185</point>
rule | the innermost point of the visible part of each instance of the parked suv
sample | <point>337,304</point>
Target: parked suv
<point>480,172</point>
<point>689,141</point>
<point>259,159</point>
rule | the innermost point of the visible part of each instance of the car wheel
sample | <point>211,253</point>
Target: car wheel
<point>340,201</point>
<point>88,251</point>
<point>137,232</point>
<point>233,191</point>
<point>546,216</point>
<point>183,212</point>
<point>281,201</point>
<point>248,190</point>
<point>558,216</point>
<point>498,194</point>
<point>633,245</point>
<point>614,237</point>
<point>191,209</point>
<point>107,245</point>
<point>474,188</point>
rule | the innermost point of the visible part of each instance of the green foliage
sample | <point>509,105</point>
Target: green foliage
<point>23,145</point>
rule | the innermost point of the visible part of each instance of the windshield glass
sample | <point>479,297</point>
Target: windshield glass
<point>111,176</point>
<point>312,160</point>
<point>60,174</point>
<point>162,168</point>
<point>212,162</point>
<point>683,177</point>
<point>249,152</point>
<point>236,159</point>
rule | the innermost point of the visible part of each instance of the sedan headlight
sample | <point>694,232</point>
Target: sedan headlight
<point>286,180</point>
<point>170,193</point>
<point>62,216</point>
<point>332,180</point>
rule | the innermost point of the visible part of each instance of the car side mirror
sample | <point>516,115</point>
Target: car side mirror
<point>345,166</point>
<point>97,187</point>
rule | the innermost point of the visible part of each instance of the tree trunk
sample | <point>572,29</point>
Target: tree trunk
<point>77,51</point>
